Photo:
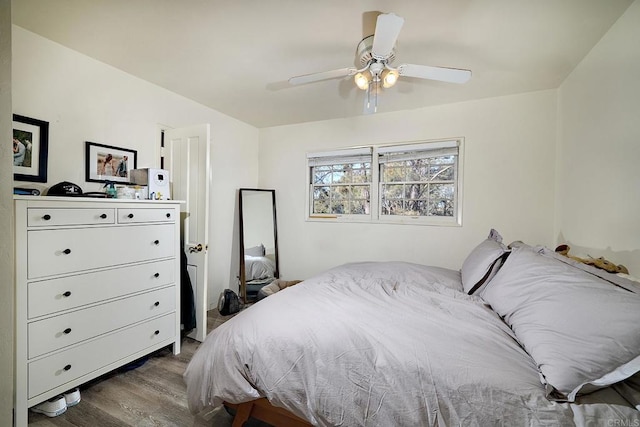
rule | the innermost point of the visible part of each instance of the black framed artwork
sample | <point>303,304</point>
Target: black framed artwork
<point>30,149</point>
<point>109,163</point>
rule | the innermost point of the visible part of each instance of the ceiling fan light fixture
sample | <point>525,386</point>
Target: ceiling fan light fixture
<point>389,78</point>
<point>362,80</point>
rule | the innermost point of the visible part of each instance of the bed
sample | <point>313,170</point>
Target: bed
<point>259,270</point>
<point>517,336</point>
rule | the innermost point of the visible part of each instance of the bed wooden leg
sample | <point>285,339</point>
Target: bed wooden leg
<point>262,410</point>
<point>243,412</point>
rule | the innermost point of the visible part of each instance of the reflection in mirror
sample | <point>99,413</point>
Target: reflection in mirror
<point>258,241</point>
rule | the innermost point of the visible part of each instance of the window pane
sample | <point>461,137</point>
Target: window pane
<point>338,176</point>
<point>320,193</point>
<point>392,207</point>
<point>418,170</point>
<point>360,192</point>
<point>393,191</point>
<point>419,186</point>
<point>394,172</point>
<point>360,207</point>
<point>361,175</point>
<point>322,175</point>
<point>441,208</point>
<point>338,207</point>
<point>441,172</point>
<point>333,191</point>
<point>340,192</point>
<point>441,191</point>
<point>321,206</point>
<point>416,191</point>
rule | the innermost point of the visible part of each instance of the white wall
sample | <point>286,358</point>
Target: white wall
<point>509,164</point>
<point>86,100</point>
<point>6,220</point>
<point>599,149</point>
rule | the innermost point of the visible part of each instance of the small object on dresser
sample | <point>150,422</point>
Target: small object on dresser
<point>65,188</point>
<point>125,192</point>
<point>156,181</point>
<point>111,189</point>
<point>26,191</point>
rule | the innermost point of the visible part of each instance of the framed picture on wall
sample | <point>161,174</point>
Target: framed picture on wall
<point>108,163</point>
<point>30,149</point>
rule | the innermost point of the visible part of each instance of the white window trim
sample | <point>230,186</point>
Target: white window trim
<point>375,216</point>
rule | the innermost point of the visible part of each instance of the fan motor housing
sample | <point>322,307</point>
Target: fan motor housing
<point>363,53</point>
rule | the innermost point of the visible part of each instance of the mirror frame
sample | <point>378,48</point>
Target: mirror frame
<point>242,275</point>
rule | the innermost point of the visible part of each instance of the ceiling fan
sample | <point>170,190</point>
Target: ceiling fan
<point>374,56</point>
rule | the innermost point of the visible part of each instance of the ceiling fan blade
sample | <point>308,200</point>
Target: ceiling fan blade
<point>325,75</point>
<point>387,30</point>
<point>450,75</point>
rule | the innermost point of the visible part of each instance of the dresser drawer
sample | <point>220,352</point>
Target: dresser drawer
<point>47,217</point>
<point>51,296</point>
<point>137,215</point>
<point>60,368</point>
<point>71,328</point>
<point>70,250</point>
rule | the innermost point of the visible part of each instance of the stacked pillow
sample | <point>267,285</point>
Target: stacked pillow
<point>581,330</point>
<point>483,262</point>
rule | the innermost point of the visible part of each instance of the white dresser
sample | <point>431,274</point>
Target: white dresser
<point>97,286</point>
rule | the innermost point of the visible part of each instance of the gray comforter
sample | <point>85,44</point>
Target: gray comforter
<point>384,344</point>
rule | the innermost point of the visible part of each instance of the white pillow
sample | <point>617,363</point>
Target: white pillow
<point>257,251</point>
<point>483,262</point>
<point>581,331</point>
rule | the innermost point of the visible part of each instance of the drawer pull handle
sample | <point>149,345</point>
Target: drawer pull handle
<point>67,331</point>
<point>157,303</point>
<point>67,294</point>
<point>67,367</point>
<point>156,333</point>
<point>156,242</point>
<point>130,215</point>
<point>47,217</point>
<point>156,275</point>
<point>103,216</point>
<point>168,215</point>
<point>66,251</point>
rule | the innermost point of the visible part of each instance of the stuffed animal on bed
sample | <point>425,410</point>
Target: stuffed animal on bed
<point>600,263</point>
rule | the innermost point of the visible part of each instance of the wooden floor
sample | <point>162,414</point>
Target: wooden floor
<point>153,394</point>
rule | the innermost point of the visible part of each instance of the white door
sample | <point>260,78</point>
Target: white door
<point>186,157</point>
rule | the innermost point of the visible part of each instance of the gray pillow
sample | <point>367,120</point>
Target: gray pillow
<point>256,251</point>
<point>579,329</point>
<point>482,263</point>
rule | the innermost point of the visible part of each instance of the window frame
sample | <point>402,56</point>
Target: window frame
<point>341,157</point>
<point>375,212</point>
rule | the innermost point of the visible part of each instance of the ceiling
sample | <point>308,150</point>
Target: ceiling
<point>236,55</point>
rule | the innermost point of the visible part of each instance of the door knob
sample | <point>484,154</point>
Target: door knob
<point>197,248</point>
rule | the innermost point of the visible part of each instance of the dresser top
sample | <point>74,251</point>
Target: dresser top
<point>91,199</point>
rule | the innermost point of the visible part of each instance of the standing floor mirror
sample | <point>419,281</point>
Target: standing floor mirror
<point>258,241</point>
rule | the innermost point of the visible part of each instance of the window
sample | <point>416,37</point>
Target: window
<point>418,183</point>
<point>340,183</point>
<point>418,180</point>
